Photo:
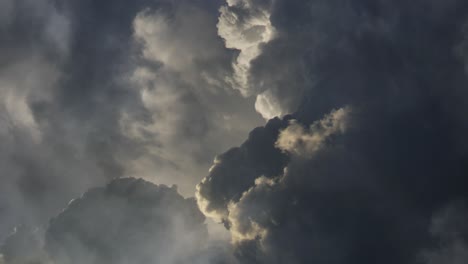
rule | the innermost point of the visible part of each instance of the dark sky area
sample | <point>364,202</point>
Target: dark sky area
<point>233,131</point>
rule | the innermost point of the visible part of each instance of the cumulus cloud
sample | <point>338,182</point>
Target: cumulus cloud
<point>128,89</point>
<point>268,105</point>
<point>276,79</point>
<point>297,140</point>
<point>350,187</point>
<point>128,221</point>
<point>182,71</point>
<point>364,147</point>
<point>245,26</point>
<point>258,157</point>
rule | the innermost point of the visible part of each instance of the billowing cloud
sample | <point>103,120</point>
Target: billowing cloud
<point>364,149</point>
<point>130,89</point>
<point>128,221</point>
<point>254,158</point>
<point>182,71</point>
<point>245,26</point>
<point>360,186</point>
<point>299,141</point>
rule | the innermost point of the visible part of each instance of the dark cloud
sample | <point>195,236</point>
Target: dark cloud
<point>364,152</point>
<point>363,191</point>
<point>236,170</point>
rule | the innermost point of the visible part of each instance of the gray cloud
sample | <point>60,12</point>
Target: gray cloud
<point>93,90</point>
<point>296,140</point>
<point>245,26</point>
<point>128,221</point>
<point>87,98</point>
<point>449,229</point>
<point>254,158</point>
<point>23,246</point>
<point>183,71</point>
<point>363,194</point>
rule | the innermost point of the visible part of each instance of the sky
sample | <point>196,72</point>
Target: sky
<point>233,131</point>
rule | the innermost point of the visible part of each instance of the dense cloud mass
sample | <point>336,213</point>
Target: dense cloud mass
<point>376,150</point>
<point>361,155</point>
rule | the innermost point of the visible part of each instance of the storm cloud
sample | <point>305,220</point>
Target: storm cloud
<point>360,187</point>
<point>359,154</point>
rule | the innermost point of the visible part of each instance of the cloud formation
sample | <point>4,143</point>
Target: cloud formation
<point>128,221</point>
<point>245,26</point>
<point>85,99</point>
<point>297,140</point>
<point>359,189</point>
<point>362,159</point>
<point>182,71</point>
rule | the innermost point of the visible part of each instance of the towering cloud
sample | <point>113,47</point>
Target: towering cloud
<point>245,26</point>
<point>375,149</point>
<point>183,70</point>
<point>362,159</point>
